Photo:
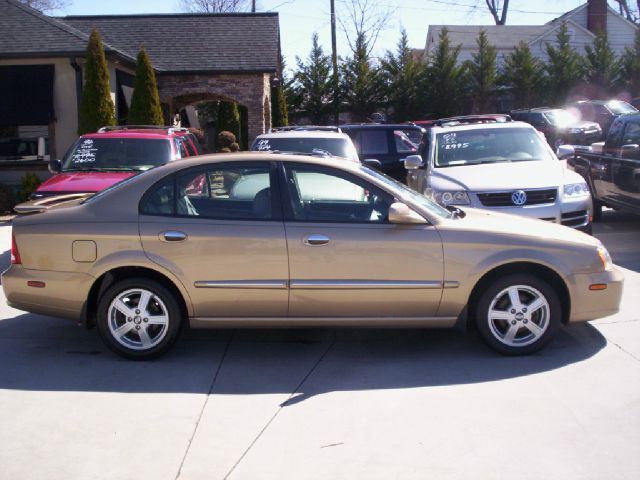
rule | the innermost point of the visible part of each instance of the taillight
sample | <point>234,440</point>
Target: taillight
<point>15,254</point>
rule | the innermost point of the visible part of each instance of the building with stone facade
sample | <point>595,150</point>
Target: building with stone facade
<point>197,57</point>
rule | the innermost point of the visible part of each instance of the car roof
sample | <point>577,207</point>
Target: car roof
<point>303,134</point>
<point>374,126</point>
<point>149,134</point>
<point>248,157</point>
<point>536,109</point>
<point>481,126</point>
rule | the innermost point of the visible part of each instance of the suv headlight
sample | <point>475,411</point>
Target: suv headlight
<point>605,258</point>
<point>573,190</point>
<point>445,198</point>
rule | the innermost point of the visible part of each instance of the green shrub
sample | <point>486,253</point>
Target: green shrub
<point>28,184</point>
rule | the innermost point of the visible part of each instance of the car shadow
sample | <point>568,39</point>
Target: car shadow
<point>46,354</point>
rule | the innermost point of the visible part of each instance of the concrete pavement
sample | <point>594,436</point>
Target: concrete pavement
<point>326,403</point>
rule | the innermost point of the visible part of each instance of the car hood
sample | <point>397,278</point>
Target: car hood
<point>500,176</point>
<point>72,182</point>
<point>512,226</point>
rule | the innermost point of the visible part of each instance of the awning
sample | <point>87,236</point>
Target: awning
<point>26,94</point>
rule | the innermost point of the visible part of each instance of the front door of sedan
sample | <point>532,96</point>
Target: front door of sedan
<point>219,230</point>
<point>345,259</point>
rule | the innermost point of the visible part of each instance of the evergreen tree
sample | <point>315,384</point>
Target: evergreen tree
<point>481,73</point>
<point>564,68</point>
<point>228,118</point>
<point>602,66</point>
<point>96,109</point>
<point>279,113</point>
<point>145,101</point>
<point>523,74</point>
<point>314,83</point>
<point>362,85</point>
<point>402,75</point>
<point>631,67</point>
<point>444,79</point>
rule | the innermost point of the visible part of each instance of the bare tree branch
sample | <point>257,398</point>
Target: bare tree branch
<point>365,20</point>
<point>215,6</point>
<point>46,6</point>
<point>499,13</point>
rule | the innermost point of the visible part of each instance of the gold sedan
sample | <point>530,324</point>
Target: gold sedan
<point>264,239</point>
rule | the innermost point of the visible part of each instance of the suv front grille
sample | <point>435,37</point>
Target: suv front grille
<point>503,199</point>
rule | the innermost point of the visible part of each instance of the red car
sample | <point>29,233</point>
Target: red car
<point>98,160</point>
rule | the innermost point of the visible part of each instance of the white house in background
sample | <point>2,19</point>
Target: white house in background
<point>582,22</point>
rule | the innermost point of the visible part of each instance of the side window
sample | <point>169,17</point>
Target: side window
<point>631,134</point>
<point>234,192</point>
<point>614,137</point>
<point>159,200</point>
<point>406,141</point>
<point>323,195</point>
<point>372,142</point>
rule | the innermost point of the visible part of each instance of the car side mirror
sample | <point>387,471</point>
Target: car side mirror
<point>413,162</point>
<point>565,151</point>
<point>401,214</point>
<point>372,163</point>
<point>631,149</point>
<point>55,166</point>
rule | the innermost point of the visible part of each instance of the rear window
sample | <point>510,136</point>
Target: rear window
<point>337,147</point>
<point>117,154</point>
<point>619,107</point>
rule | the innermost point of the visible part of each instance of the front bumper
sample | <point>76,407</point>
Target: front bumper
<point>64,294</point>
<point>589,304</point>
<point>574,213</point>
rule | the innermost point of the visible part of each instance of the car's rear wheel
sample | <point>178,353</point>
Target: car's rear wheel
<point>518,314</point>
<point>138,318</point>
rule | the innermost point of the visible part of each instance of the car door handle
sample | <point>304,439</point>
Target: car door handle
<point>316,240</point>
<point>173,236</point>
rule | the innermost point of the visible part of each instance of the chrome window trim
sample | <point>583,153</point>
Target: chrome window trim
<point>252,284</point>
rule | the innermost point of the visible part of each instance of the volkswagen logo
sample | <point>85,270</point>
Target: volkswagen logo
<point>519,197</point>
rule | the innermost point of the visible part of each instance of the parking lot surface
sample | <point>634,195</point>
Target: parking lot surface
<point>325,403</point>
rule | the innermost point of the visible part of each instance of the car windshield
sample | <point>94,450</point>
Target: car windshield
<point>489,145</point>
<point>338,147</point>
<point>117,154</point>
<point>404,192</point>
<point>619,107</point>
<point>560,118</point>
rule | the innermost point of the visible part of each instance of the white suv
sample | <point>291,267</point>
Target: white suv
<point>499,165</point>
<point>328,141</point>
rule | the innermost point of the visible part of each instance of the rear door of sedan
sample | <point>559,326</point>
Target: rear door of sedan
<point>219,229</point>
<point>346,259</point>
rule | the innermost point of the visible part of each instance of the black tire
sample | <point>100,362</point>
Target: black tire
<point>496,331</point>
<point>160,322</point>
<point>597,210</point>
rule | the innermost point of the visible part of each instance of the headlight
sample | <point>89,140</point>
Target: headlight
<point>573,190</point>
<point>451,198</point>
<point>576,130</point>
<point>605,258</point>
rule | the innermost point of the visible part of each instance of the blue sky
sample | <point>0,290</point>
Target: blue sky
<point>300,18</point>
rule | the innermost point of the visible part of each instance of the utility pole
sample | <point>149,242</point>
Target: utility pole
<point>253,6</point>
<point>334,58</point>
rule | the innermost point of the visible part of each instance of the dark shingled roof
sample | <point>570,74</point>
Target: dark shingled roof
<point>234,42</point>
<point>192,42</point>
<point>25,31</point>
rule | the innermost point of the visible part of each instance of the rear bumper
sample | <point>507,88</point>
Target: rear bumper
<point>592,304</point>
<point>63,295</point>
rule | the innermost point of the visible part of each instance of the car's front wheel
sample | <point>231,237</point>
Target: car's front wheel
<point>518,314</point>
<point>138,318</point>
